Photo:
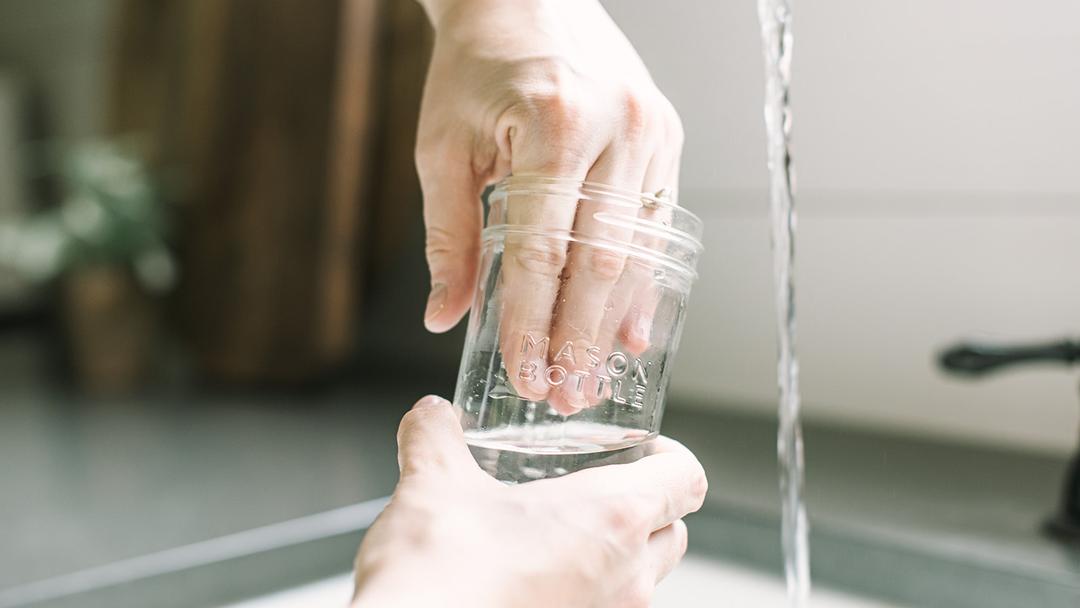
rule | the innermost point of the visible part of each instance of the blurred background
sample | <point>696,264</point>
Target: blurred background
<point>212,283</point>
<point>223,190</point>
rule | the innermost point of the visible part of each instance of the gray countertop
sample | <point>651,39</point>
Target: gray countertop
<point>88,483</point>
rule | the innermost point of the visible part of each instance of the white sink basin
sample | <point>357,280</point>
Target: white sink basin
<point>706,583</point>
<point>697,582</point>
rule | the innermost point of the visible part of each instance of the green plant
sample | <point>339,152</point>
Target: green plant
<point>111,213</point>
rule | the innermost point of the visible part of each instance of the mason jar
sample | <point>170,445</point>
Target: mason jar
<point>579,304</point>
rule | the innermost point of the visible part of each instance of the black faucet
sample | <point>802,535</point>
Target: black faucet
<point>975,360</point>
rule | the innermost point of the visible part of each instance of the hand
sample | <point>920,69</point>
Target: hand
<point>537,88</point>
<point>453,536</point>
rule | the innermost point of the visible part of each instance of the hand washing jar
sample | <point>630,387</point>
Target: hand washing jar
<point>579,304</point>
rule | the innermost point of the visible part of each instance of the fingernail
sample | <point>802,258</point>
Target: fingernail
<point>429,401</point>
<point>436,302</point>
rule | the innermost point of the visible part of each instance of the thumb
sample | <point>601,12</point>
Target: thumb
<point>430,439</point>
<point>453,217</point>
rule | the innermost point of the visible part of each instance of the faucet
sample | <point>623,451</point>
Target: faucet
<point>976,360</point>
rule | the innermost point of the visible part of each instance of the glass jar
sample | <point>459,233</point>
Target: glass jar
<point>580,301</point>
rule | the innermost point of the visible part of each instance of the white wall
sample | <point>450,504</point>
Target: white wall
<point>935,149</point>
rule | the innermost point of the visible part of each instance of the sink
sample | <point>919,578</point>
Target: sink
<point>698,581</point>
<point>112,508</point>
<point>701,581</point>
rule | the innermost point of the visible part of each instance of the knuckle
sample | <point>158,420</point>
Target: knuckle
<point>560,109</point>
<point>636,114</point>
<point>673,122</point>
<point>605,264</point>
<point>552,127</point>
<point>555,113</point>
<point>415,419</point>
<point>699,487</point>
<point>427,156</point>
<point>449,252</point>
<point>540,256</point>
<point>675,129</point>
<point>432,413</point>
<point>452,257</point>
<point>551,118</point>
<point>624,520</point>
<point>438,242</point>
<point>682,539</point>
<point>408,422</point>
<point>421,153</point>
<point>562,126</point>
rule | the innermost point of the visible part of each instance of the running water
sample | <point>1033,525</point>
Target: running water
<point>775,16</point>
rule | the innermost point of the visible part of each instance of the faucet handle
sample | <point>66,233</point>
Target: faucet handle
<point>976,359</point>
<point>973,359</point>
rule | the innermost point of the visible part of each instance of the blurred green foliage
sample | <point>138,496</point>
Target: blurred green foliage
<point>111,212</point>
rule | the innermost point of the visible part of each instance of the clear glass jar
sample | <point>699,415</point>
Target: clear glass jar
<point>579,304</point>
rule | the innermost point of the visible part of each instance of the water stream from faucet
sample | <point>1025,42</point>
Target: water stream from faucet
<point>775,17</point>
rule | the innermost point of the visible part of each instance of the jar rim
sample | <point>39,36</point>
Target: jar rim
<point>690,225</point>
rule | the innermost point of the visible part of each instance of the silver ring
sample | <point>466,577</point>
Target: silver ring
<point>663,194</point>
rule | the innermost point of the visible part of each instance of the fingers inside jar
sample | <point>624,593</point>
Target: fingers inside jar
<point>578,305</point>
<point>636,330</point>
<point>534,255</point>
<point>596,258</point>
<point>613,327</point>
